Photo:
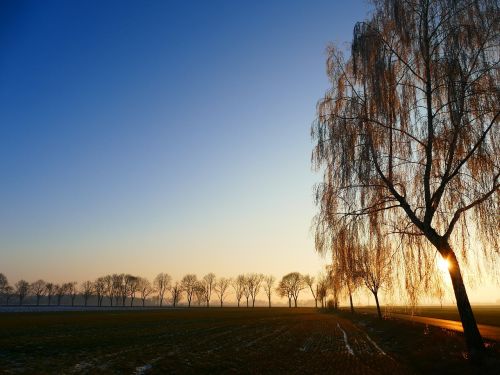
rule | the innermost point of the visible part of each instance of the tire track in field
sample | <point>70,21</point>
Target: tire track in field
<point>369,355</point>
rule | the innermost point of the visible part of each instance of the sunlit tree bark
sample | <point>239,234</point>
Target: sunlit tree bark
<point>410,129</point>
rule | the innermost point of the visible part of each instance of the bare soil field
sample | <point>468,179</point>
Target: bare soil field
<point>229,340</point>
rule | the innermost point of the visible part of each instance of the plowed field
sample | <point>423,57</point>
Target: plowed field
<point>229,340</point>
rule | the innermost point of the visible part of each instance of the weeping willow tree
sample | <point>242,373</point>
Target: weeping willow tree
<point>408,137</point>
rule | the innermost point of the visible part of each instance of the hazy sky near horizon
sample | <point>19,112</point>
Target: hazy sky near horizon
<point>161,136</point>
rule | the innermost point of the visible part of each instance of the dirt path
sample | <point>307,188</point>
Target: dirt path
<point>489,332</point>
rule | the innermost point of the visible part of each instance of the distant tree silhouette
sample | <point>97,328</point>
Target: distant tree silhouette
<point>87,288</point>
<point>376,267</point>
<point>246,289</point>
<point>268,287</point>
<point>61,290</point>
<point>221,289</point>
<point>209,281</point>
<point>189,282</point>
<point>145,289</point>
<point>5,289</point>
<point>162,284</point>
<point>199,293</point>
<point>322,289</point>
<point>8,293</point>
<point>290,286</point>
<point>100,289</point>
<point>309,280</point>
<point>238,285</point>
<point>132,283</point>
<point>109,290</point>
<point>3,282</point>
<point>176,291</point>
<point>254,282</point>
<point>38,289</point>
<point>72,291</point>
<point>50,289</point>
<point>22,289</point>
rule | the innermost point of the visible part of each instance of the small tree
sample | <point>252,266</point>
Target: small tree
<point>176,291</point>
<point>5,288</point>
<point>290,286</point>
<point>309,280</point>
<point>220,288</point>
<point>145,289</point>
<point>208,281</point>
<point>246,289</point>
<point>22,290</point>
<point>238,285</point>
<point>132,283</point>
<point>188,285</point>
<point>72,291</point>
<point>254,281</point>
<point>38,288</point>
<point>100,289</point>
<point>120,288</point>
<point>60,291</point>
<point>200,293</point>
<point>87,288</point>
<point>3,282</point>
<point>50,289</point>
<point>8,293</point>
<point>376,267</point>
<point>322,290</point>
<point>162,284</point>
<point>268,287</point>
<point>109,290</point>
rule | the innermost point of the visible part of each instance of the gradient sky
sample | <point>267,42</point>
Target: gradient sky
<point>161,136</point>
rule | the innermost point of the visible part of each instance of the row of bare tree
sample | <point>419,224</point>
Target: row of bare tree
<point>124,289</point>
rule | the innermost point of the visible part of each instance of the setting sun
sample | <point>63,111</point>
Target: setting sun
<point>443,264</point>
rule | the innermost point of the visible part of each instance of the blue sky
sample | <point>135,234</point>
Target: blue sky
<point>161,136</point>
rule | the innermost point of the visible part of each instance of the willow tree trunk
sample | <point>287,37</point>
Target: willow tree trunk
<point>378,305</point>
<point>350,301</point>
<point>473,338</point>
